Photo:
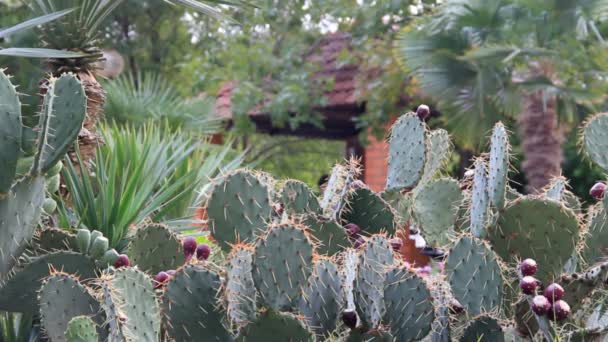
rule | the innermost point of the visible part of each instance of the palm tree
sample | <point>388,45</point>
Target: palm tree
<point>530,60</point>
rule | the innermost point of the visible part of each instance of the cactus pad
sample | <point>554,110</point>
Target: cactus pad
<point>331,236</point>
<point>282,263</point>
<point>349,276</point>
<point>19,215</point>
<point>436,209</point>
<point>370,212</point>
<point>594,139</point>
<point>409,308</point>
<point>479,200</point>
<point>10,132</point>
<point>62,298</point>
<point>190,306</point>
<point>322,300</point>
<point>407,152</point>
<point>337,188</point>
<point>53,239</point>
<point>440,148</point>
<point>238,208</point>
<point>596,242</point>
<point>474,276</point>
<point>155,248</point>
<point>132,293</point>
<point>63,112</point>
<point>498,165</point>
<point>18,293</point>
<point>271,325</point>
<point>240,289</point>
<point>483,329</point>
<point>536,228</point>
<point>374,261</point>
<point>298,198</point>
<point>81,329</point>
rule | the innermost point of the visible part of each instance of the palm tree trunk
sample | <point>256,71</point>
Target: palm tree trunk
<point>541,140</point>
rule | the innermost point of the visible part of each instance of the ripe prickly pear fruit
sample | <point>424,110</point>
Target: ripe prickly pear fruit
<point>160,279</point>
<point>189,244</point>
<point>352,230</point>
<point>423,112</point>
<point>396,243</point>
<point>349,317</point>
<point>597,190</point>
<point>122,261</point>
<point>528,267</point>
<point>540,305</point>
<point>559,311</point>
<point>203,251</point>
<point>554,292</point>
<point>528,285</point>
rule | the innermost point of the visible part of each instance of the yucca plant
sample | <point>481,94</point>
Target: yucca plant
<point>141,173</point>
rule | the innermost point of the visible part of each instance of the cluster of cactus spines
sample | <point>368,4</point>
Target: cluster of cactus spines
<point>407,153</point>
<point>238,208</point>
<point>480,199</point>
<point>81,329</point>
<point>298,198</point>
<point>155,248</point>
<point>498,165</point>
<point>240,294</point>
<point>440,148</point>
<point>475,276</point>
<point>370,212</point>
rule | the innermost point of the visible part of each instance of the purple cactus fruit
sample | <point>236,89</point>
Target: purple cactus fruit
<point>423,112</point>
<point>171,272</point>
<point>559,311</point>
<point>396,243</point>
<point>160,279</point>
<point>122,261</point>
<point>349,317</point>
<point>554,292</point>
<point>528,285</point>
<point>359,242</point>
<point>352,230</point>
<point>455,307</point>
<point>528,267</point>
<point>597,190</point>
<point>189,244</point>
<point>203,251</point>
<point>540,305</point>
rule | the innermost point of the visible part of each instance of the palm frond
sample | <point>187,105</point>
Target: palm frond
<point>28,24</point>
<point>40,53</point>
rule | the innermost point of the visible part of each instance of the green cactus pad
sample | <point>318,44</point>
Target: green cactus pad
<point>357,335</point>
<point>401,203</point>
<point>407,152</point>
<point>240,288</point>
<point>483,329</point>
<point>99,246</point>
<point>474,276</point>
<point>132,292</point>
<point>349,276</point>
<point>83,240</point>
<point>81,329</point>
<point>238,208</point>
<point>273,325</point>
<point>498,165</point>
<point>441,293</point>
<point>322,300</point>
<point>53,239</point>
<point>10,132</point>
<point>332,237</point>
<point>439,152</point>
<point>337,187</point>
<point>537,228</point>
<point>190,306</point>
<point>63,112</point>
<point>596,239</point>
<point>282,263</point>
<point>370,212</point>
<point>298,198</point>
<point>62,298</point>
<point>436,209</point>
<point>155,248</point>
<point>409,306</point>
<point>18,293</point>
<point>374,261</point>
<point>595,139</point>
<point>479,200</point>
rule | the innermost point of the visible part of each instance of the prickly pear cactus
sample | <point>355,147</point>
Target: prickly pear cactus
<point>238,208</point>
<point>155,248</point>
<point>81,329</point>
<point>594,139</point>
<point>498,165</point>
<point>52,240</point>
<point>370,212</point>
<point>482,329</point>
<point>409,306</point>
<point>10,132</point>
<point>190,305</point>
<point>240,289</point>
<point>596,243</point>
<point>298,198</point>
<point>322,300</point>
<point>349,276</point>
<point>282,263</point>
<point>474,275</point>
<point>271,325</point>
<point>407,152</point>
<point>440,147</point>
<point>338,187</point>
<point>331,237</point>
<point>479,199</point>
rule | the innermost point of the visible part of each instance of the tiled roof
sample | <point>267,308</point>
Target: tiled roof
<point>326,53</point>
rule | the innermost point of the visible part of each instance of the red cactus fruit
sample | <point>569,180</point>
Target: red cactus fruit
<point>423,112</point>
<point>189,244</point>
<point>352,230</point>
<point>122,261</point>
<point>349,317</point>
<point>160,279</point>
<point>554,292</point>
<point>597,190</point>
<point>203,251</point>
<point>528,267</point>
<point>540,305</point>
<point>528,285</point>
<point>559,311</point>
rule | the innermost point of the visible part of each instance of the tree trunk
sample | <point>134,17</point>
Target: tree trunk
<point>541,140</point>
